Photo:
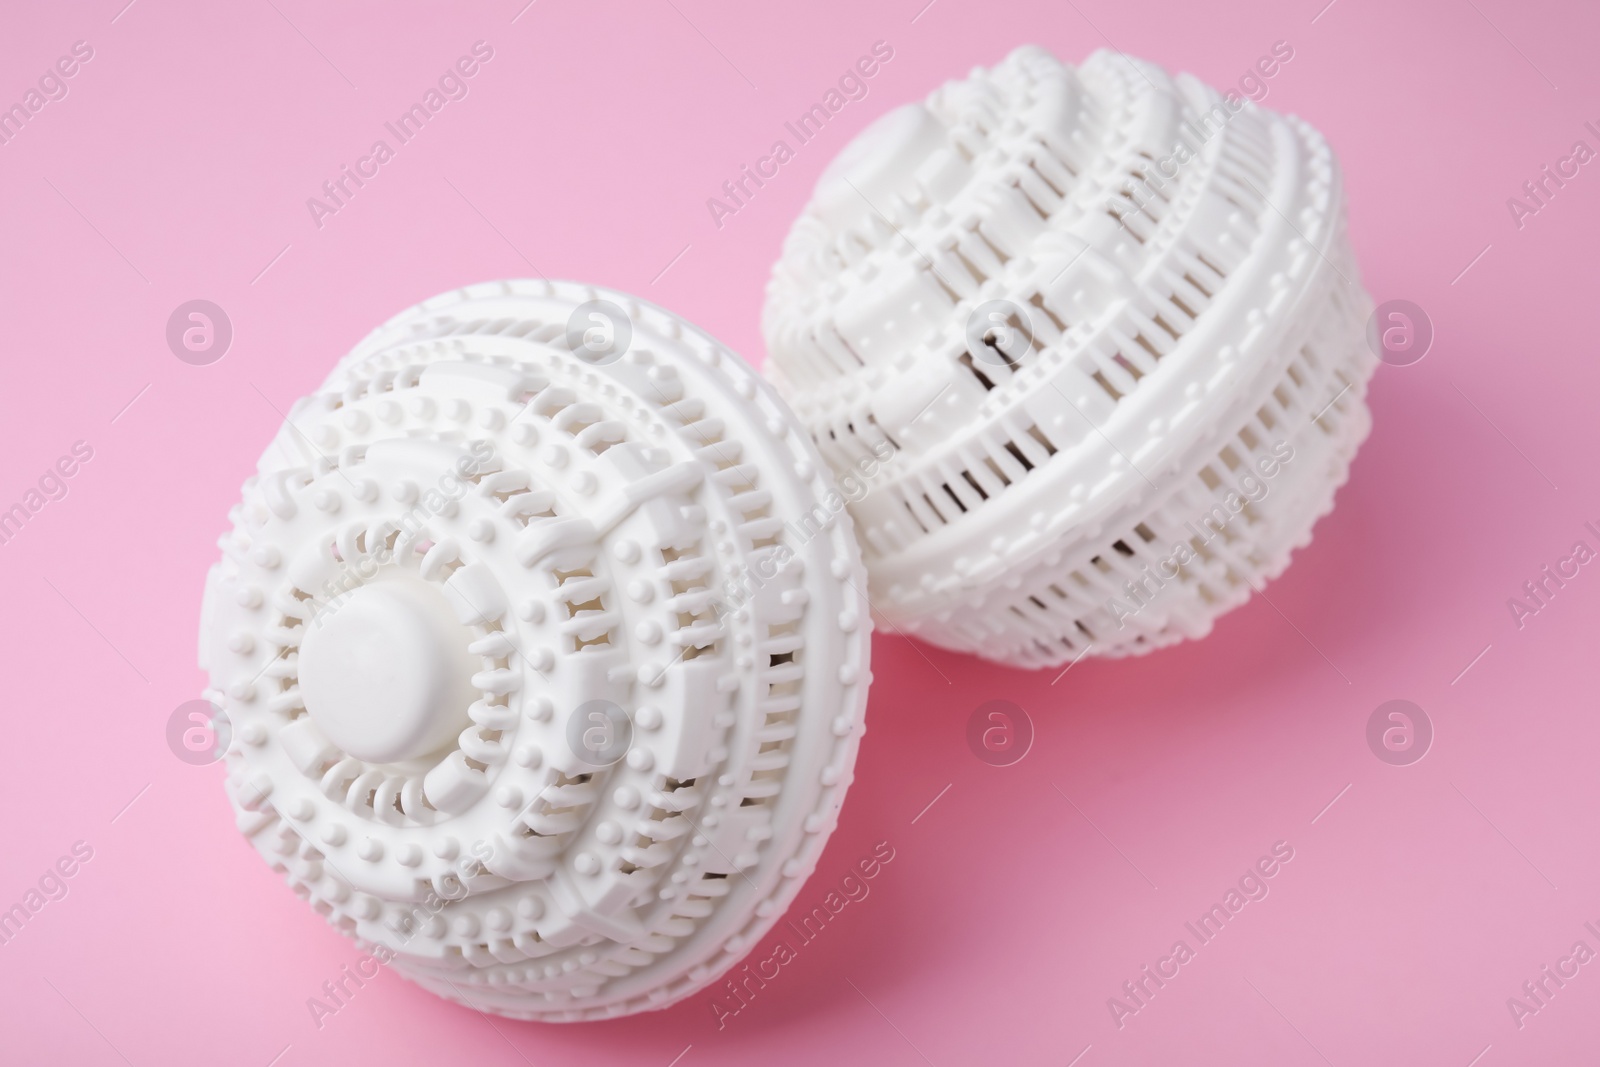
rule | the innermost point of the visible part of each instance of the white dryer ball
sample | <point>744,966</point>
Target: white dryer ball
<point>1088,346</point>
<point>545,654</point>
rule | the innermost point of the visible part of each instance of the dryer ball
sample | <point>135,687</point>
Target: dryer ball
<point>1107,327</point>
<point>537,688</point>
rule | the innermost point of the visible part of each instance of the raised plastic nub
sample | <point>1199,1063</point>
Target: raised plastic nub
<point>385,674</point>
<point>880,162</point>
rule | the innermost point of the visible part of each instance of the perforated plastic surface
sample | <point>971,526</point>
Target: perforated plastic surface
<point>1107,326</point>
<point>537,686</point>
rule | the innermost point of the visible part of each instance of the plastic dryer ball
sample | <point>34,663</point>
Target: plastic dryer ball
<point>1070,301</point>
<point>488,716</point>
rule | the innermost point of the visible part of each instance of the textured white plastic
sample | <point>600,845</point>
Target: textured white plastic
<point>544,654</point>
<point>1081,310</point>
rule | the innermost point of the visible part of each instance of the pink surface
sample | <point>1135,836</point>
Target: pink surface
<point>177,167</point>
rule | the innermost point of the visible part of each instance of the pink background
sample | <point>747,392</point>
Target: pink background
<point>1413,907</point>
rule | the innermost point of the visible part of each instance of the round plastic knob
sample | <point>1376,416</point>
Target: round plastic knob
<point>541,631</point>
<point>387,677</point>
<point>1093,341</point>
<point>882,160</point>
